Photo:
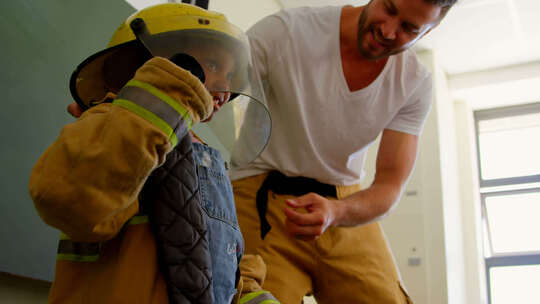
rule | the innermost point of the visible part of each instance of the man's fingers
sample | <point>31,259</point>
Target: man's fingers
<point>299,202</point>
<point>303,219</point>
<point>292,203</point>
<point>308,225</point>
<point>305,233</point>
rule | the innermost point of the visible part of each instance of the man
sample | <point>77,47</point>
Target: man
<point>330,96</point>
<point>147,215</point>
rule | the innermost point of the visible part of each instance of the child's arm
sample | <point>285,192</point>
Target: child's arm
<point>87,182</point>
<point>253,273</point>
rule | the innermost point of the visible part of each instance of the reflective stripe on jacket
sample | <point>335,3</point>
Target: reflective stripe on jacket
<point>258,297</point>
<point>69,250</point>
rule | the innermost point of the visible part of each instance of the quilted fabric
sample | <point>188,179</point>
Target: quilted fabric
<point>171,199</point>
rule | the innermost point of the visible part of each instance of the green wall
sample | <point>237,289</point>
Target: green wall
<point>41,44</point>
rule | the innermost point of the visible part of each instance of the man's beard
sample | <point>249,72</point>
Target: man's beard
<point>363,30</point>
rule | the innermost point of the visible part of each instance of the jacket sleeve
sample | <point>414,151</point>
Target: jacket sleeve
<point>253,273</point>
<point>87,182</point>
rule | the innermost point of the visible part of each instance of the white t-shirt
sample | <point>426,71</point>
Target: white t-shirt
<point>320,129</point>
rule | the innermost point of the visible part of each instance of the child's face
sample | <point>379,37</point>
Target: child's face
<point>218,66</point>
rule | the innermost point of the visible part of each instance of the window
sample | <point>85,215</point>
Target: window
<point>508,141</point>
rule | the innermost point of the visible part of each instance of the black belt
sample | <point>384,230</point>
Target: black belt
<point>281,184</point>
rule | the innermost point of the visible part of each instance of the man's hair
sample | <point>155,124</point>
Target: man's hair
<point>444,4</point>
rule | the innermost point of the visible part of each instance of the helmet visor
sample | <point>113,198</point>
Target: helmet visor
<point>240,125</point>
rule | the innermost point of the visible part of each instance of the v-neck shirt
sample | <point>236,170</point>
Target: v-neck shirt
<point>320,129</point>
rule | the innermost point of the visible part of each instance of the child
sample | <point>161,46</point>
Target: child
<point>146,215</point>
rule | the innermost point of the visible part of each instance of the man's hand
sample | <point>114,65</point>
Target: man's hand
<point>321,214</point>
<point>75,110</point>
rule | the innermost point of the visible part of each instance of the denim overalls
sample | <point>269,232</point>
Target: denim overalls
<point>224,236</point>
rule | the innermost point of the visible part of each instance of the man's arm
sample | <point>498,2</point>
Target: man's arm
<point>395,160</point>
<point>87,182</point>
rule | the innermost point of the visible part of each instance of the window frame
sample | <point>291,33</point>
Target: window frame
<point>501,113</point>
<point>499,187</point>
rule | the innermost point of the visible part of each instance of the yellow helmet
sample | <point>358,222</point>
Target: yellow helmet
<point>167,30</point>
<point>171,17</point>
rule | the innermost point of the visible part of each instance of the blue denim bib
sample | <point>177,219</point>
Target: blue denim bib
<point>225,238</point>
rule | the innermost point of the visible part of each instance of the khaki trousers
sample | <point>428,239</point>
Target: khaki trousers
<point>344,265</point>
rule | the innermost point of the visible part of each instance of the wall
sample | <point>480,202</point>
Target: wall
<point>429,169</point>
<point>504,86</point>
<point>452,211</point>
<point>42,43</point>
<point>474,277</point>
<point>245,13</point>
<point>241,13</point>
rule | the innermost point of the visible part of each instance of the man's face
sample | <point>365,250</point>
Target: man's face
<point>219,66</point>
<point>387,27</point>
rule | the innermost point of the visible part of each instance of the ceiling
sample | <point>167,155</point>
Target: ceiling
<point>476,34</point>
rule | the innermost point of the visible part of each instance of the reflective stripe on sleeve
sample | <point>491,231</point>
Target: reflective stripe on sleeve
<point>69,250</point>
<point>157,107</point>
<point>259,297</point>
<point>138,219</point>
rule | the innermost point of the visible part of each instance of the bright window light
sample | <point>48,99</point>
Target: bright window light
<point>509,149</point>
<point>509,146</point>
<point>513,222</point>
<point>515,284</point>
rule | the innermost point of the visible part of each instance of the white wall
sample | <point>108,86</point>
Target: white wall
<point>244,13</point>
<point>470,202</point>
<point>498,87</point>
<point>452,211</point>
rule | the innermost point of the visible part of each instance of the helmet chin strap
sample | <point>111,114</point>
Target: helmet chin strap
<point>138,26</point>
<point>185,61</point>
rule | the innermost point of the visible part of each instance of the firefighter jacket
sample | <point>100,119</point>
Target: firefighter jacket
<point>128,235</point>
